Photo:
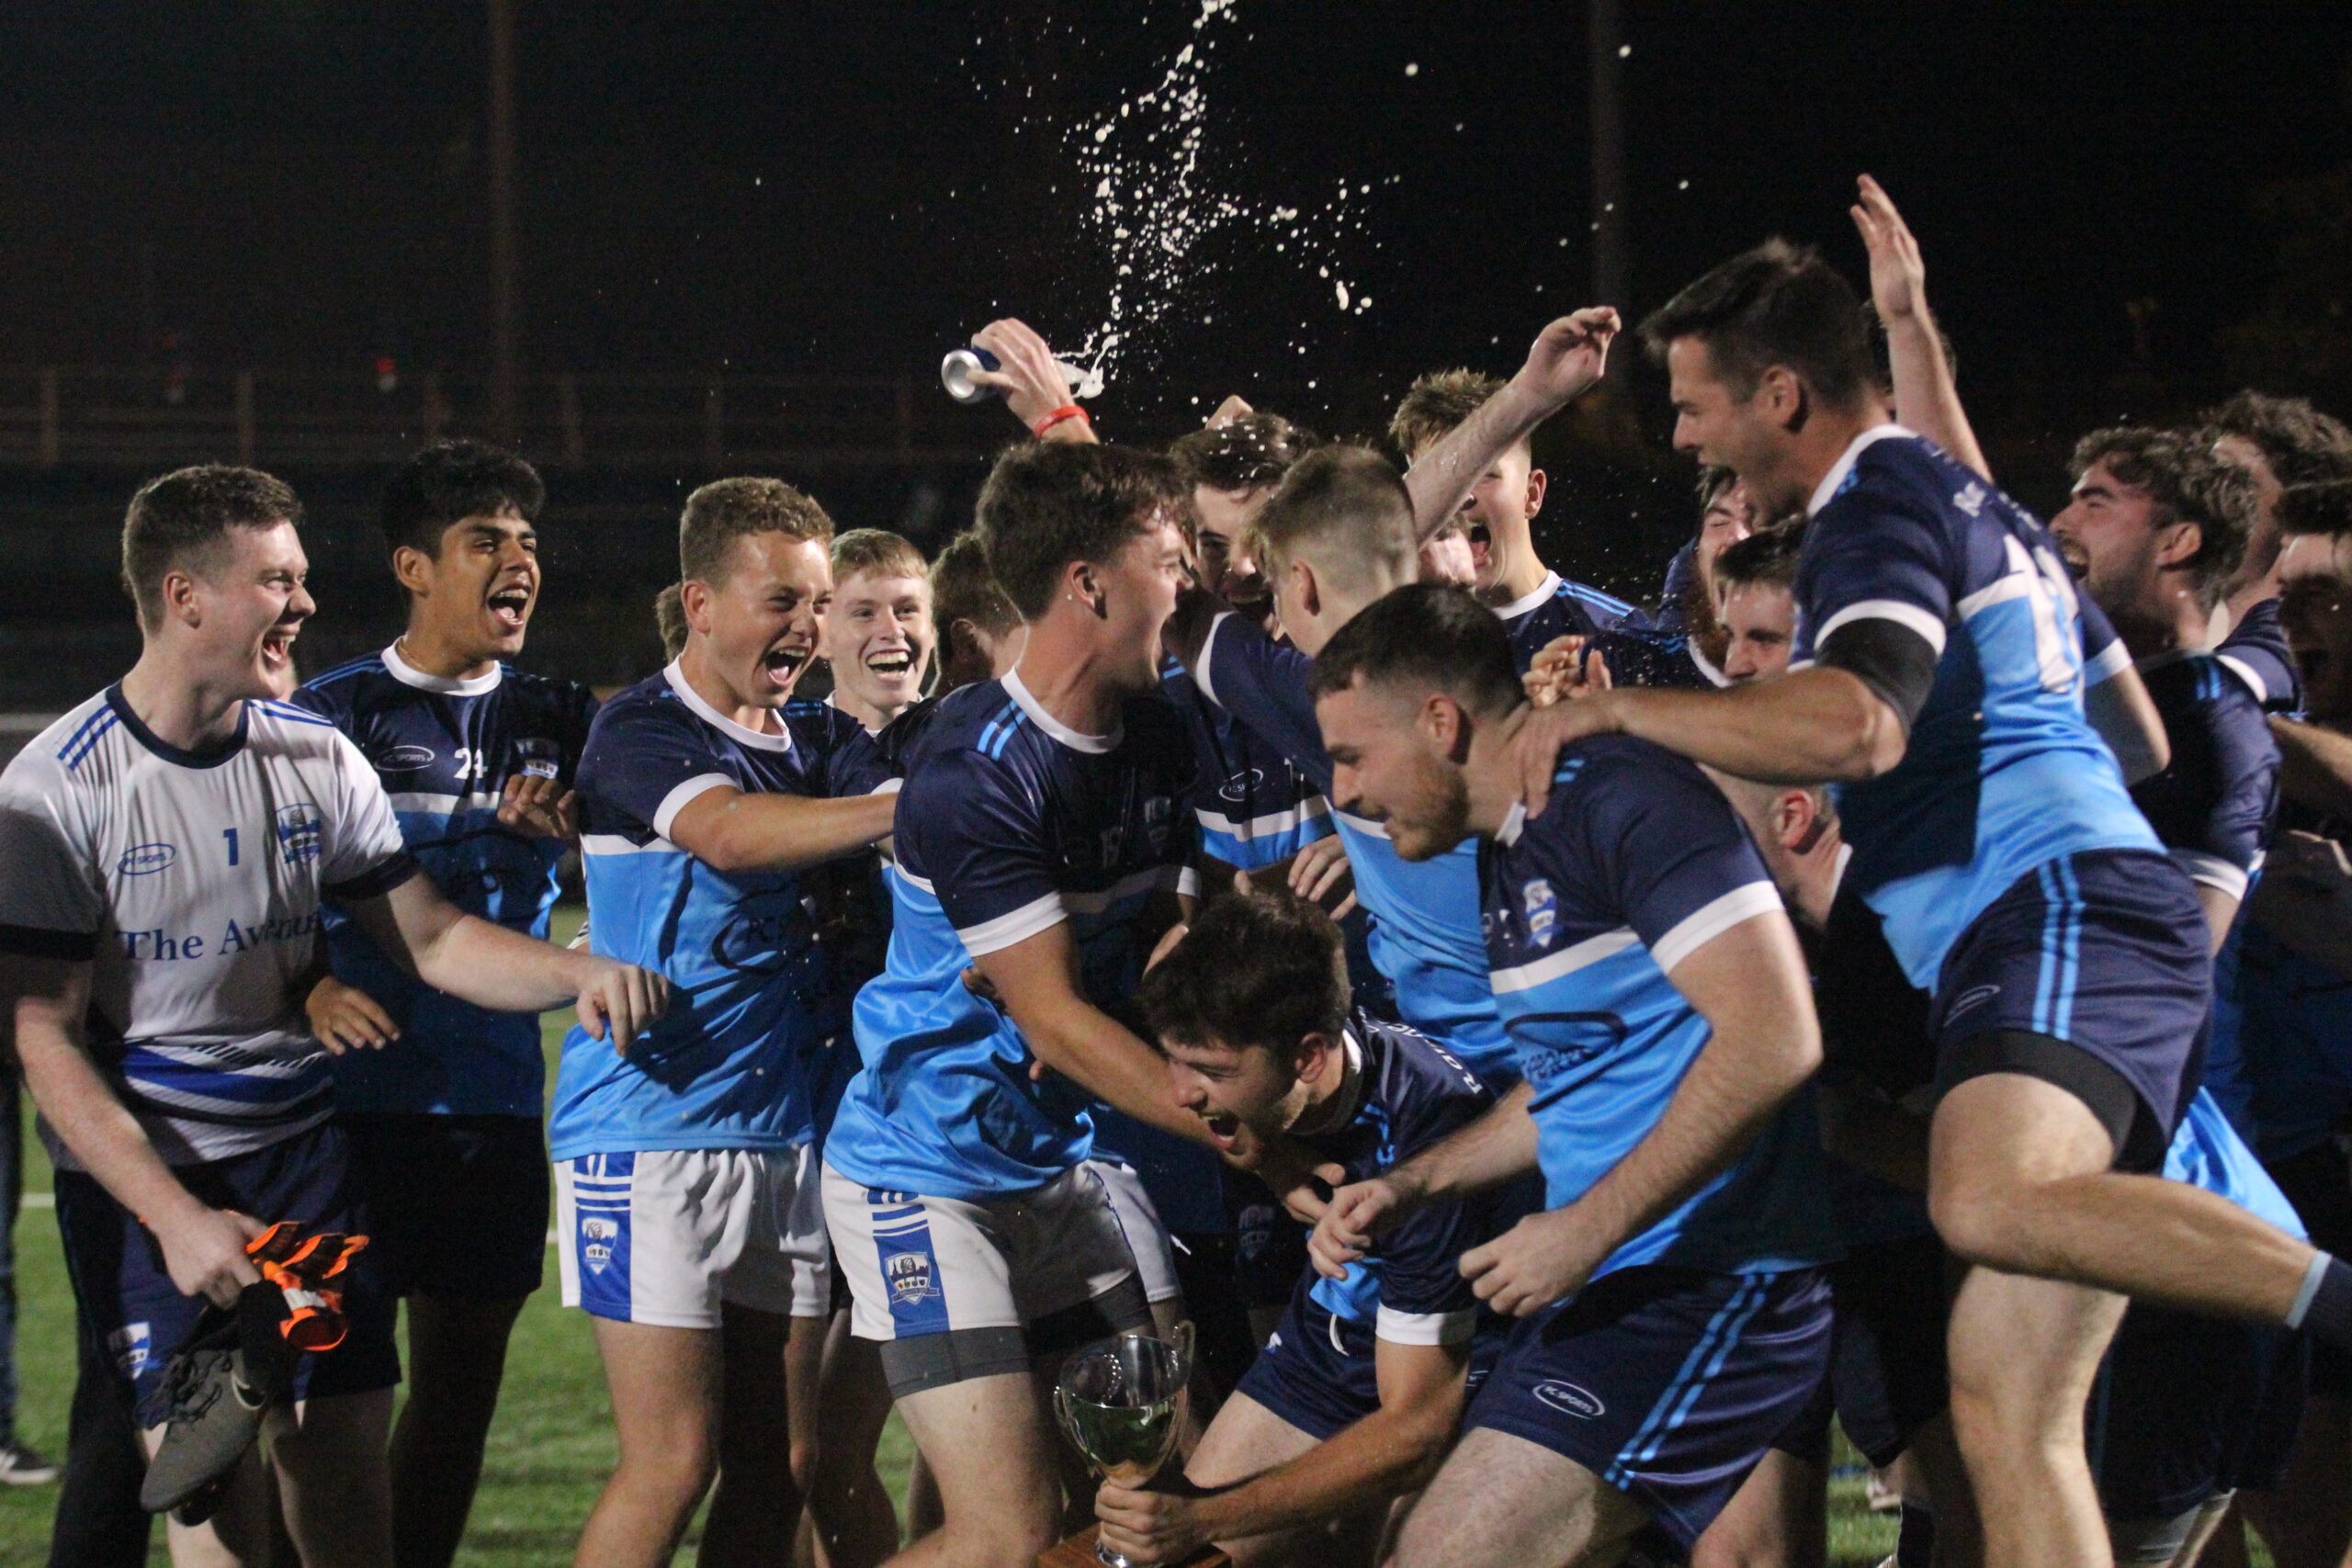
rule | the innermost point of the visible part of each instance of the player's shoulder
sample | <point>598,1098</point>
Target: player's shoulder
<point>819,726</point>
<point>348,687</point>
<point>71,753</point>
<point>1603,605</point>
<point>1615,768</point>
<point>545,693</point>
<point>1410,1068</point>
<point>1890,467</point>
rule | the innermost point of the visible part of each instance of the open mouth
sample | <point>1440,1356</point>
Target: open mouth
<point>1481,543</point>
<point>891,662</point>
<point>1224,1126</point>
<point>782,665</point>
<point>510,607</point>
<point>2077,559</point>
<point>278,647</point>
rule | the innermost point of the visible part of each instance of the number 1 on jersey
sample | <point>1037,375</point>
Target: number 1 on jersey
<point>230,834</point>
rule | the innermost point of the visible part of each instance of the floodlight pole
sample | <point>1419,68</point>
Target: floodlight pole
<point>505,367</point>
<point>1610,262</point>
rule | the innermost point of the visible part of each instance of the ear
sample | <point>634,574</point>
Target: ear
<point>1444,725</point>
<point>178,594</point>
<point>412,568</point>
<point>694,598</point>
<point>1309,595</point>
<point>1081,585</point>
<point>1782,396</point>
<point>1792,817</point>
<point>1536,485</point>
<point>2179,542</point>
<point>1314,1051</point>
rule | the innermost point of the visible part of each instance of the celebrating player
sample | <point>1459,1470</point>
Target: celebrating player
<point>164,850</point>
<point>444,1125</point>
<point>1676,1320</point>
<point>685,1172</point>
<point>879,634</point>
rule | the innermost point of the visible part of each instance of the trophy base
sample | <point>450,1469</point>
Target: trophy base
<point>1082,1551</point>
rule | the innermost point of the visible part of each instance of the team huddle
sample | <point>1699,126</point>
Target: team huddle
<point>1557,1054</point>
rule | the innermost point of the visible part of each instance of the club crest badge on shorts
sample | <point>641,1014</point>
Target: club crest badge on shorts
<point>1543,914</point>
<point>596,1243</point>
<point>909,1275</point>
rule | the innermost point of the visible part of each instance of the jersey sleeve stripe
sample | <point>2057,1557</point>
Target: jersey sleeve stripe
<point>2212,871</point>
<point>1208,646</point>
<point>2246,672</point>
<point>1711,920</point>
<point>1567,961</point>
<point>379,879</point>
<point>2109,662</point>
<point>1425,1328</point>
<point>1909,615</point>
<point>87,740</point>
<point>685,794</point>
<point>33,941</point>
<point>992,936</point>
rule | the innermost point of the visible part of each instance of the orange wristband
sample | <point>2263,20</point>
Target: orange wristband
<point>1067,411</point>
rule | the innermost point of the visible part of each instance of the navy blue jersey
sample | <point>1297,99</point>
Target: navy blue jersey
<point>1424,916</point>
<point>1682,581</point>
<point>2003,772</point>
<point>1636,862</point>
<point>1560,608</point>
<point>1651,657</point>
<point>1411,1092</point>
<point>754,1000</point>
<point>1254,807</point>
<point>1009,824</point>
<point>2256,650</point>
<point>444,750</point>
<point>2214,806</point>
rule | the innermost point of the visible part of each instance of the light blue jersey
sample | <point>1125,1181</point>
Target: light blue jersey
<point>1424,915</point>
<point>1011,823</point>
<point>2003,772</point>
<point>1636,862</point>
<point>737,1061</point>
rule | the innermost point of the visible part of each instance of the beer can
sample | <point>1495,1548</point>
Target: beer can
<point>955,375</point>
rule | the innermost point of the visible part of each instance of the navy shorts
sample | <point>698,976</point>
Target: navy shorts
<point>459,1204</point>
<point>1887,1374</point>
<point>1270,1247</point>
<point>2104,952</point>
<point>1317,1371</point>
<point>1668,1383</point>
<point>131,1307</point>
<point>2187,1407</point>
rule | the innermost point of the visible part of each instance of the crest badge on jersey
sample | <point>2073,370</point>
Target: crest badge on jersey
<point>537,757</point>
<point>300,832</point>
<point>1543,913</point>
<point>131,1344</point>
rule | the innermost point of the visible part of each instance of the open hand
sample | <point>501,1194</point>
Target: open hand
<point>1534,1263</point>
<point>1898,274</point>
<point>1232,408</point>
<point>1354,1217</point>
<point>344,1018</point>
<point>1571,355</point>
<point>1321,872</point>
<point>539,808</point>
<point>1565,670</point>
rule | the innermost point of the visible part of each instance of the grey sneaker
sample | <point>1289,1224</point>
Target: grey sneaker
<point>22,1465</point>
<point>216,1388</point>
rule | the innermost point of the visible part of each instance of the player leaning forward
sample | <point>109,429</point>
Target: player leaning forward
<point>1043,840</point>
<point>163,851</point>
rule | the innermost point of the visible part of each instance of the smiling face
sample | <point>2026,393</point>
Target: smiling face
<point>1231,1088</point>
<point>1136,590</point>
<point>2110,535</point>
<point>1384,768</point>
<point>1221,520</point>
<point>2316,612</point>
<point>239,609</point>
<point>475,593</point>
<point>879,639</point>
<point>759,626</point>
<point>1497,520</point>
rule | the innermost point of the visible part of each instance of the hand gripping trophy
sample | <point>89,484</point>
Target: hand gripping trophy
<point>1121,1405</point>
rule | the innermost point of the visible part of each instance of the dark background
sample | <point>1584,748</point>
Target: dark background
<point>832,187</point>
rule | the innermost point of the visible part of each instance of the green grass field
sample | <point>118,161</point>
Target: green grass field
<point>553,1444</point>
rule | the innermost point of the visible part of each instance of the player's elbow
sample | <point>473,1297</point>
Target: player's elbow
<point>1875,738</point>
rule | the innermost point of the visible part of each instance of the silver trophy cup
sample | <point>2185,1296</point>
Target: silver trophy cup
<point>1122,1405</point>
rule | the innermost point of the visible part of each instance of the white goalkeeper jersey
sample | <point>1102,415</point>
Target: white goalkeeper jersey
<point>191,882</point>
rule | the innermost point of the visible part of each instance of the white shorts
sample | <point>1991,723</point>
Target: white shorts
<point>663,1236</point>
<point>1147,1238</point>
<point>956,1290</point>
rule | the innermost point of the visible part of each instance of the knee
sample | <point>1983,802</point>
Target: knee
<point>802,1457</point>
<point>1012,1540</point>
<point>684,1461</point>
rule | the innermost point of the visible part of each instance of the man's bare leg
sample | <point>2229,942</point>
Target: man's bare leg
<point>851,1520</point>
<point>457,1356</point>
<point>333,1481</point>
<point>1778,1518</point>
<point>1934,1459</point>
<point>993,1455</point>
<point>761,1476</point>
<point>1503,1502</point>
<point>2307,1522</point>
<point>664,1384</point>
<point>1248,1439</point>
<point>238,1533</point>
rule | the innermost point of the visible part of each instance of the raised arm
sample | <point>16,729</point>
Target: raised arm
<point>45,1000</point>
<point>1567,359</point>
<point>1033,386</point>
<point>1750,983</point>
<point>731,829</point>
<point>1927,399</point>
<point>483,963</point>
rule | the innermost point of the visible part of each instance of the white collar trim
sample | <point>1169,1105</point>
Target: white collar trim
<point>1514,823</point>
<point>1714,676</point>
<point>408,674</point>
<point>1093,744</point>
<point>1543,591</point>
<point>779,741</point>
<point>1845,465</point>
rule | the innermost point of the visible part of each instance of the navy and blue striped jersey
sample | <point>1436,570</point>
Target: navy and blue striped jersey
<point>754,1000</point>
<point>1636,862</point>
<point>2256,650</point>
<point>1560,608</point>
<point>1009,824</point>
<point>444,750</point>
<point>2214,806</point>
<point>2003,772</point>
<point>1254,807</point>
<point>1638,657</point>
<point>1410,1093</point>
<point>1424,933</point>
